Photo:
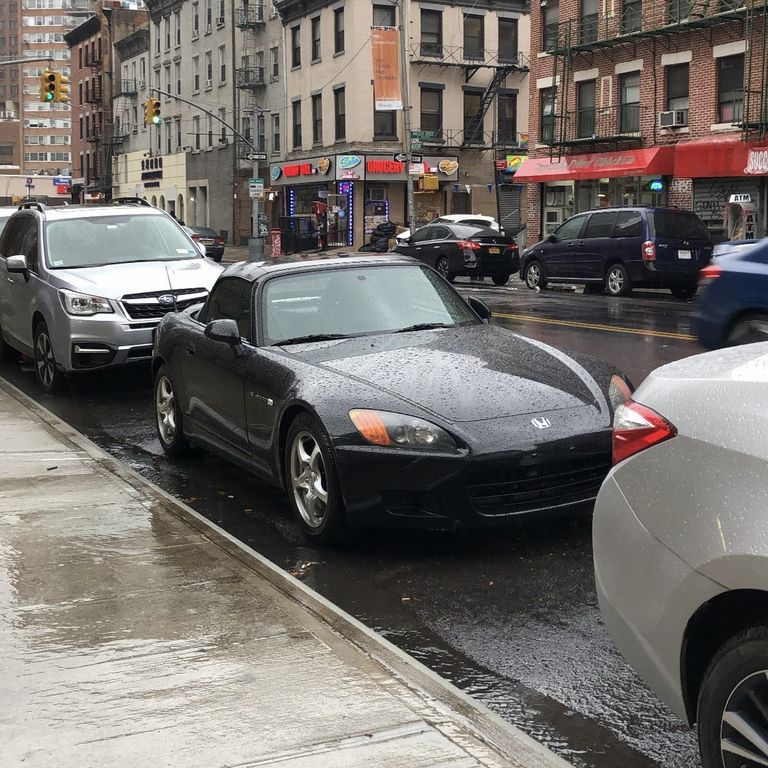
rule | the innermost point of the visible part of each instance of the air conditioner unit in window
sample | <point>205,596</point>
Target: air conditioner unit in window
<point>220,21</point>
<point>209,84</point>
<point>676,118</point>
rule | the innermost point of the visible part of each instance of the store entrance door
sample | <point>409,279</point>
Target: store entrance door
<point>338,221</point>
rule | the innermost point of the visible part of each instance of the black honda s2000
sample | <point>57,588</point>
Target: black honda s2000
<point>376,396</point>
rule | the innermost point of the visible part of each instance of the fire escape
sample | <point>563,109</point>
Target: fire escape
<point>250,76</point>
<point>503,65</point>
<point>605,125</point>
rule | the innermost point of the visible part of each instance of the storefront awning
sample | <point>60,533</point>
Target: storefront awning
<point>656,161</point>
<point>719,157</point>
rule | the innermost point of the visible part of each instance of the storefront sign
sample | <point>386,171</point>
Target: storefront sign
<point>513,162</point>
<point>757,162</point>
<point>387,168</point>
<point>349,167</point>
<point>385,48</point>
<point>384,166</point>
<point>303,171</point>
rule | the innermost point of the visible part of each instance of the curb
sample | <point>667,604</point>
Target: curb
<point>489,727</point>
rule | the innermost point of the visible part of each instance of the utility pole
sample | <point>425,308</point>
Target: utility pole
<point>256,242</point>
<point>405,77</point>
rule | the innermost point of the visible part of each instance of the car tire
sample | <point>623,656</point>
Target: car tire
<point>687,291</point>
<point>168,418</point>
<point>48,375</point>
<point>534,275</point>
<point>735,685</point>
<point>748,330</point>
<point>443,267</point>
<point>311,482</point>
<point>617,281</point>
<point>500,279</point>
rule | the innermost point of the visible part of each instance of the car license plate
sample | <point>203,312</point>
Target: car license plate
<point>683,254</point>
<point>494,250</point>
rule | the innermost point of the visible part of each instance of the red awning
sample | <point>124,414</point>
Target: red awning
<point>656,161</point>
<point>719,157</point>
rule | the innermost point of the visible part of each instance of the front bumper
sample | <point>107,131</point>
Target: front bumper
<point>385,487</point>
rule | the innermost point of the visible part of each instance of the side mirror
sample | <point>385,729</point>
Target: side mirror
<point>552,238</point>
<point>224,330</point>
<point>18,265</point>
<point>480,307</point>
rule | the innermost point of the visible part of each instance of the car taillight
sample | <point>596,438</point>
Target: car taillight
<point>468,245</point>
<point>637,427</point>
<point>649,251</point>
<point>709,274</point>
<point>195,237</point>
<point>219,241</point>
<point>513,247</point>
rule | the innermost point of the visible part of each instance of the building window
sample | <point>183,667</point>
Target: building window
<point>384,125</point>
<point>208,16</point>
<point>274,62</point>
<point>317,119</point>
<point>210,130</point>
<point>585,123</point>
<point>677,87</point>
<point>179,137</point>
<point>679,10</point>
<point>296,110</point>
<point>432,110</point>
<point>195,21</point>
<point>730,88</point>
<point>208,69</point>
<point>295,46</point>
<point>548,116</point>
<point>340,112</point>
<point>177,28</point>
<point>474,37</point>
<point>246,128</point>
<point>167,28</point>
<point>222,12</point>
<point>431,33</point>
<point>338,30</point>
<point>222,64</point>
<point>550,24</point>
<point>588,29</point>
<point>222,127</point>
<point>196,132</point>
<point>629,92</point>
<point>508,40</point>
<point>383,15</point>
<point>507,110</point>
<point>157,43</point>
<point>195,73</point>
<point>473,127</point>
<point>177,77</point>
<point>167,71</point>
<point>168,134</point>
<point>315,28</point>
<point>275,133</point>
<point>261,130</point>
<point>631,16</point>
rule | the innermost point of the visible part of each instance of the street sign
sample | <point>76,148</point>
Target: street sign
<point>416,145</point>
<point>252,157</point>
<point>29,183</point>
<point>424,135</point>
<point>256,189</point>
<point>403,158</point>
<point>62,181</point>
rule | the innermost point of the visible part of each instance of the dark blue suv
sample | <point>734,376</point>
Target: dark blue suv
<point>732,306</point>
<point>618,249</point>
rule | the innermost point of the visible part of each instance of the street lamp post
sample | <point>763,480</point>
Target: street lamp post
<point>406,87</point>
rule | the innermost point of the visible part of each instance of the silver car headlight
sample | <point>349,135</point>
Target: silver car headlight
<point>83,304</point>
<point>396,429</point>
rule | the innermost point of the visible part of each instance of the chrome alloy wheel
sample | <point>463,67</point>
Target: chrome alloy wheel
<point>615,281</point>
<point>165,408</point>
<point>308,479</point>
<point>44,359</point>
<point>442,266</point>
<point>744,725</point>
<point>533,275</point>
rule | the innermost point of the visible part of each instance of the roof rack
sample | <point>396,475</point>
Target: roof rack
<point>32,204</point>
<point>130,201</point>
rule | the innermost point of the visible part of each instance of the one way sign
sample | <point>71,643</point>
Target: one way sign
<point>403,158</point>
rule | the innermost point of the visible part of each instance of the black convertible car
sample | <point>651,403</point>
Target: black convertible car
<point>376,396</point>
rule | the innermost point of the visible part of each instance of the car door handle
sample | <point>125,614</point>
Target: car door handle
<point>190,349</point>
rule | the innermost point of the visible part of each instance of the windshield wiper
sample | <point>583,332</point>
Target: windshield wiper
<point>425,327</point>
<point>312,337</point>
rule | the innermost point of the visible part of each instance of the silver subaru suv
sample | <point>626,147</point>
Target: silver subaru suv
<point>83,287</point>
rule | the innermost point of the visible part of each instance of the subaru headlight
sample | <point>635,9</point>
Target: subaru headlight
<point>83,304</point>
<point>619,391</point>
<point>396,429</point>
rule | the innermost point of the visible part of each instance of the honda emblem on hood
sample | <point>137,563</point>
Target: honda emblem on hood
<point>541,422</point>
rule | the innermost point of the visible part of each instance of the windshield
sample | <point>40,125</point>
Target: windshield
<point>204,231</point>
<point>3,219</point>
<point>99,240</point>
<point>355,301</point>
<point>679,225</point>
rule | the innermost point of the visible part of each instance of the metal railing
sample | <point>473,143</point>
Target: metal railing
<point>249,17</point>
<point>459,56</point>
<point>456,138</point>
<point>126,87</point>
<point>249,77</point>
<point>594,124</point>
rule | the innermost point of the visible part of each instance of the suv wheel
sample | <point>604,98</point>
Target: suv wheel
<point>733,700</point>
<point>749,329</point>
<point>534,275</point>
<point>443,267</point>
<point>48,374</point>
<point>617,282</point>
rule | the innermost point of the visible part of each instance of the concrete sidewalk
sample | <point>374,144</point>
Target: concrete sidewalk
<point>134,632</point>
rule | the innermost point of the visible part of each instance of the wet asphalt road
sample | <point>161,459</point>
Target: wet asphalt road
<point>512,618</point>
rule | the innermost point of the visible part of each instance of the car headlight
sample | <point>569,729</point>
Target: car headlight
<point>83,304</point>
<point>396,429</point>
<point>619,391</point>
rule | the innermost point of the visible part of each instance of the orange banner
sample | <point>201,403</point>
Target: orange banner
<point>385,44</point>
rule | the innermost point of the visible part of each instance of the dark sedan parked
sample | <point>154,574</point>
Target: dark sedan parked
<point>461,249</point>
<point>732,306</point>
<point>376,396</point>
<point>212,240</point>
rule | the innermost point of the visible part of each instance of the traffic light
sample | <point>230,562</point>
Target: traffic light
<point>47,86</point>
<point>152,114</point>
<point>61,94</point>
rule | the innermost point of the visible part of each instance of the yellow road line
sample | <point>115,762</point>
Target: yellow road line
<point>597,327</point>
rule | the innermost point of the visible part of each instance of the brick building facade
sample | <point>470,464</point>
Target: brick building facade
<point>640,103</point>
